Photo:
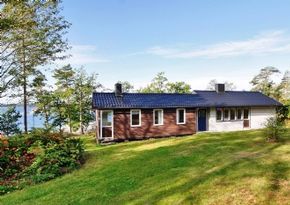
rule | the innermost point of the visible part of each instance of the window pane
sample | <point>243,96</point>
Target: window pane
<point>226,114</point>
<point>135,117</point>
<point>158,117</point>
<point>239,114</point>
<point>246,113</point>
<point>233,114</point>
<point>180,116</point>
<point>107,118</point>
<point>219,114</point>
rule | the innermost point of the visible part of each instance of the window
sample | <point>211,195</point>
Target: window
<point>107,118</point>
<point>219,114</point>
<point>239,113</point>
<point>158,117</point>
<point>232,114</point>
<point>135,118</point>
<point>180,116</point>
<point>246,114</point>
<point>226,114</point>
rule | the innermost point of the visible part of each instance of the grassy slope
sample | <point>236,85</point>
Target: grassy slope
<point>207,168</point>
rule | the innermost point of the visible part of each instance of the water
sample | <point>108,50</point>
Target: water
<point>32,119</point>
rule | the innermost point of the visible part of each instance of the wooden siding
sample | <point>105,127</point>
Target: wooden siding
<point>123,129</point>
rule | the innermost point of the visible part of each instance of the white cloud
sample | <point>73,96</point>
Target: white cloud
<point>83,55</point>
<point>265,43</point>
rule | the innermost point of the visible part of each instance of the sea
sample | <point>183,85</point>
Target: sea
<point>34,121</point>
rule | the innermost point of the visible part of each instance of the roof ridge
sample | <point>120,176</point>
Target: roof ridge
<point>147,93</point>
<point>233,91</point>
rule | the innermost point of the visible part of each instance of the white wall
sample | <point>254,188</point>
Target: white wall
<point>258,117</point>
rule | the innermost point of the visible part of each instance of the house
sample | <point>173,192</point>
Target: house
<point>127,116</point>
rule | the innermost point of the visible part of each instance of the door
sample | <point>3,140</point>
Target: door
<point>107,124</point>
<point>202,120</point>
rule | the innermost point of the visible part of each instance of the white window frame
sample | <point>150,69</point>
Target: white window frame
<point>177,116</point>
<point>235,112</point>
<point>139,118</point>
<point>249,113</point>
<point>101,124</point>
<point>229,117</point>
<point>161,116</point>
<point>222,114</point>
<point>242,113</point>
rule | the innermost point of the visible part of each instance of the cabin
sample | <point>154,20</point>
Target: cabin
<point>131,116</point>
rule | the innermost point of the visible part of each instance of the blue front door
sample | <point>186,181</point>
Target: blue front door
<point>202,120</point>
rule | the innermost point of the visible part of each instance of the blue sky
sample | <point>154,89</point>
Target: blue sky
<point>192,41</point>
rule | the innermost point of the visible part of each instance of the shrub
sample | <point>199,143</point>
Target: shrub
<point>36,158</point>
<point>275,127</point>
<point>56,160</point>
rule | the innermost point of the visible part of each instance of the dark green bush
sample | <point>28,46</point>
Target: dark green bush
<point>57,159</point>
<point>36,158</point>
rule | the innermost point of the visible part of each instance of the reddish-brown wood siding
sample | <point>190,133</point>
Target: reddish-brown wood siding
<point>123,129</point>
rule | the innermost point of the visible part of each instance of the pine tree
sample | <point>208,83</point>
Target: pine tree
<point>36,39</point>
<point>9,122</point>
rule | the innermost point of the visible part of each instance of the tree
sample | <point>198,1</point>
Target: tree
<point>160,84</point>
<point>65,90</point>
<point>178,87</point>
<point>157,85</point>
<point>228,85</point>
<point>44,100</point>
<point>9,122</point>
<point>7,65</point>
<point>84,86</point>
<point>264,84</point>
<point>127,86</point>
<point>36,38</point>
<point>285,87</point>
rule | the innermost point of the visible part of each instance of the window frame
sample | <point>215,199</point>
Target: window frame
<point>139,111</point>
<point>222,114</point>
<point>177,116</point>
<point>235,114</point>
<point>107,111</point>
<point>248,114</point>
<point>242,114</point>
<point>162,117</point>
<point>228,118</point>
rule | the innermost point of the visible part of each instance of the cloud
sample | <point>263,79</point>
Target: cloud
<point>262,44</point>
<point>83,55</point>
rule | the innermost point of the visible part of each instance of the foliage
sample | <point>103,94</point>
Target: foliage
<point>160,84</point>
<point>35,39</point>
<point>37,157</point>
<point>275,128</point>
<point>240,164</point>
<point>178,87</point>
<point>58,158</point>
<point>64,81</point>
<point>228,85</point>
<point>9,122</point>
<point>126,86</point>
<point>263,82</point>
<point>84,86</point>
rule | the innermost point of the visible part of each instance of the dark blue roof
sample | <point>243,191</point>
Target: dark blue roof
<point>173,100</point>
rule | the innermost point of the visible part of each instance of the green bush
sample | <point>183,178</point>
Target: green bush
<point>275,127</point>
<point>56,160</point>
<point>36,158</point>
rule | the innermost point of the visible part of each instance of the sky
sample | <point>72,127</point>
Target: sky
<point>192,41</point>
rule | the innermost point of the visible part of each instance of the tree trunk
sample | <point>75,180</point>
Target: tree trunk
<point>24,90</point>
<point>81,114</point>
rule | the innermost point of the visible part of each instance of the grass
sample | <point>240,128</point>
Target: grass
<point>206,168</point>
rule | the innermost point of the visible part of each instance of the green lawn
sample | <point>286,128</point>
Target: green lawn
<point>206,168</point>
